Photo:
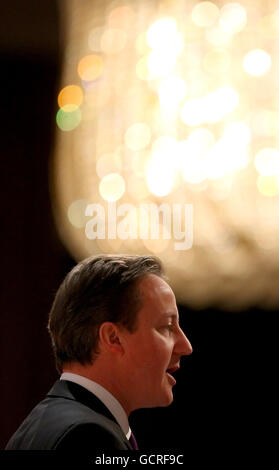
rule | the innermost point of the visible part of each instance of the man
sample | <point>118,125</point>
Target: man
<point>117,341</point>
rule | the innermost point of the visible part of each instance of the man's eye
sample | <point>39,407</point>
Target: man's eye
<point>167,328</point>
<point>170,327</point>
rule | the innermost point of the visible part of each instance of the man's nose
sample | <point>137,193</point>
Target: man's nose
<point>183,345</point>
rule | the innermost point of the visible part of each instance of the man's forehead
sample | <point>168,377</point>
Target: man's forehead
<point>154,289</point>
<point>152,283</point>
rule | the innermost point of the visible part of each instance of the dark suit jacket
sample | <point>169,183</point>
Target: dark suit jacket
<point>69,418</point>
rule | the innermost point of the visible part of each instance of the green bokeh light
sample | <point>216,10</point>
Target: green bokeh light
<point>67,121</point>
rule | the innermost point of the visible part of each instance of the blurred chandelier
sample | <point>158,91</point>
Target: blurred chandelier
<point>175,102</point>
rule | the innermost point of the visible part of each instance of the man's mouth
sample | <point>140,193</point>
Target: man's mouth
<point>170,371</point>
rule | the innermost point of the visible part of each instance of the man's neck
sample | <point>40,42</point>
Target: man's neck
<point>103,377</point>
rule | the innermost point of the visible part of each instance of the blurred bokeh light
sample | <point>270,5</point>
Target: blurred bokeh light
<point>175,102</point>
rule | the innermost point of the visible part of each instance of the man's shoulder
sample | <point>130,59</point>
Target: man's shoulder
<point>76,411</point>
<point>77,403</point>
<point>68,416</point>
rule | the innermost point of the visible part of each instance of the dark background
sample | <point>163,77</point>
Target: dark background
<point>225,396</point>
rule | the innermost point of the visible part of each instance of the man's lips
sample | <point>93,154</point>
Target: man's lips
<point>170,371</point>
<point>173,369</point>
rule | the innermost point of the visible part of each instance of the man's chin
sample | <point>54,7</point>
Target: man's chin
<point>165,400</point>
<point>168,402</point>
<point>168,398</point>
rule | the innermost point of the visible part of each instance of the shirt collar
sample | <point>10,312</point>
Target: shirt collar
<point>105,396</point>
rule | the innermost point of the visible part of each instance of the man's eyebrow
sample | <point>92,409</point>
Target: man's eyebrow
<point>173,316</point>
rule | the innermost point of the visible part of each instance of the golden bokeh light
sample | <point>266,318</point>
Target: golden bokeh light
<point>121,17</point>
<point>257,62</point>
<point>237,133</point>
<point>76,213</point>
<point>217,37</point>
<point>205,14</point>
<point>90,67</point>
<point>219,103</point>
<point>173,102</point>
<point>172,91</point>
<point>138,136</point>
<point>268,185</point>
<point>166,145</point>
<point>233,18</point>
<point>162,32</point>
<point>202,139</point>
<point>70,96</point>
<point>192,155</point>
<point>211,108</point>
<point>192,112</point>
<point>267,161</point>
<point>225,157</point>
<point>192,161</point>
<point>112,187</point>
<point>160,173</point>
<point>160,63</point>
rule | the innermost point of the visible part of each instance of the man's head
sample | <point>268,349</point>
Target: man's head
<point>115,319</point>
<point>99,289</point>
<point>153,351</point>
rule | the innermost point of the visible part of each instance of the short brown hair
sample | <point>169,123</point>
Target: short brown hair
<point>98,289</point>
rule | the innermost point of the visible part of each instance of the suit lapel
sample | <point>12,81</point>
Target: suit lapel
<point>72,391</point>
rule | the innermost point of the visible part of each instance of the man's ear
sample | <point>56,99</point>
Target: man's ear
<point>110,337</point>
